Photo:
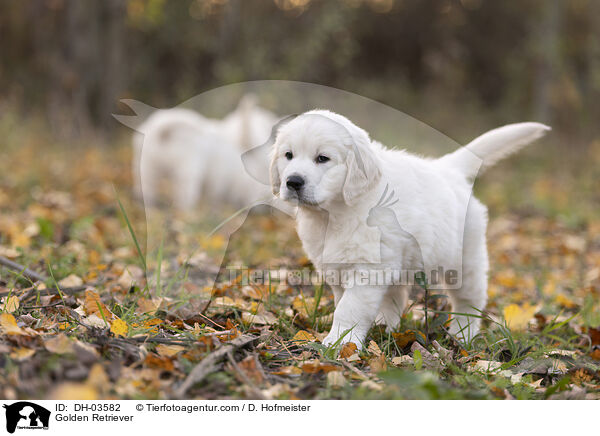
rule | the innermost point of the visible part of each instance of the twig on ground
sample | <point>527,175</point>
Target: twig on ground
<point>209,364</point>
<point>358,372</point>
<point>210,320</point>
<point>52,291</point>
<point>22,270</point>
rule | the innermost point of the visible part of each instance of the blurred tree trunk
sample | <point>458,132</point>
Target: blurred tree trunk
<point>548,55</point>
<point>114,74</point>
<point>591,91</point>
<point>84,63</point>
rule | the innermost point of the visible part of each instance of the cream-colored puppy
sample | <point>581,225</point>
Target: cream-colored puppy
<point>363,207</point>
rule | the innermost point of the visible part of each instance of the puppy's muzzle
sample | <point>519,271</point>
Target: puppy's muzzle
<point>294,183</point>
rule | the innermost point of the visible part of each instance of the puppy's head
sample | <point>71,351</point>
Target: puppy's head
<point>321,157</point>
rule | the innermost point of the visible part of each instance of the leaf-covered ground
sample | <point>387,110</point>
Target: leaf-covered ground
<point>97,326</point>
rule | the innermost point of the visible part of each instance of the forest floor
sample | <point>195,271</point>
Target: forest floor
<point>105,322</point>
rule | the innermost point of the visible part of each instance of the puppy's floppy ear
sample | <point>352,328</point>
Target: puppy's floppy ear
<point>255,160</point>
<point>363,170</point>
<point>274,176</point>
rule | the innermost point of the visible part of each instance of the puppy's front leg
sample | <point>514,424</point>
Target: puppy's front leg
<point>355,313</point>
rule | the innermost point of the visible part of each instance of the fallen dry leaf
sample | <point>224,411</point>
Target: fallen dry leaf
<point>10,304</point>
<point>97,377</point>
<point>336,379</point>
<point>94,306</point>
<point>159,362</point>
<point>251,368</point>
<point>9,324</point>
<point>20,354</point>
<point>59,344</point>
<point>378,364</point>
<point>518,317</point>
<point>119,327</point>
<point>402,360</point>
<point>168,350</point>
<point>288,370</point>
<point>145,305</point>
<point>74,391</point>
<point>303,336</point>
<point>94,321</point>
<point>70,281</point>
<point>348,349</point>
<point>374,348</point>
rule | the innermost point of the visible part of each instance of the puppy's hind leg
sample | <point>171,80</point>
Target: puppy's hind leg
<point>471,297</point>
<point>187,188</point>
<point>392,307</point>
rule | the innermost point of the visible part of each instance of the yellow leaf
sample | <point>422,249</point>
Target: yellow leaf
<point>518,317</point>
<point>213,243</point>
<point>59,344</point>
<point>9,324</point>
<point>168,350</point>
<point>119,327</point>
<point>11,304</point>
<point>74,391</point>
<point>303,336</point>
<point>565,301</point>
<point>97,377</point>
<point>288,370</point>
<point>20,354</point>
<point>507,278</point>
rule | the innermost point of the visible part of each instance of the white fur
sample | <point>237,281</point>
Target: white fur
<point>200,157</point>
<point>435,222</point>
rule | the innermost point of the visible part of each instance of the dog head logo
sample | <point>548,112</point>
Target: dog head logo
<point>26,415</point>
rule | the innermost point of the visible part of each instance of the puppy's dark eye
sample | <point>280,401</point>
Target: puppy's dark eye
<point>289,155</point>
<point>322,159</point>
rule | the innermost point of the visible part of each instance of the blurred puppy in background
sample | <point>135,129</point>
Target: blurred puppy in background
<point>199,157</point>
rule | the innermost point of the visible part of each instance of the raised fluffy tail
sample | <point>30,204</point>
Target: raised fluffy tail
<point>487,149</point>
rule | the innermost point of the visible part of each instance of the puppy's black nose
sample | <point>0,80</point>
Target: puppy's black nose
<point>295,182</point>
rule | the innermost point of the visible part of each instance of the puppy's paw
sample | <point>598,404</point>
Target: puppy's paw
<point>332,339</point>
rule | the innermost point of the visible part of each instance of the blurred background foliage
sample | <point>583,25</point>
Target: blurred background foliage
<point>458,65</point>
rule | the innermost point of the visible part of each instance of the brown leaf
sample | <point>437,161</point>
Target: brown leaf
<point>594,335</point>
<point>159,362</point>
<point>251,367</point>
<point>404,338</point>
<point>145,305</point>
<point>378,364</point>
<point>94,306</point>
<point>348,349</point>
